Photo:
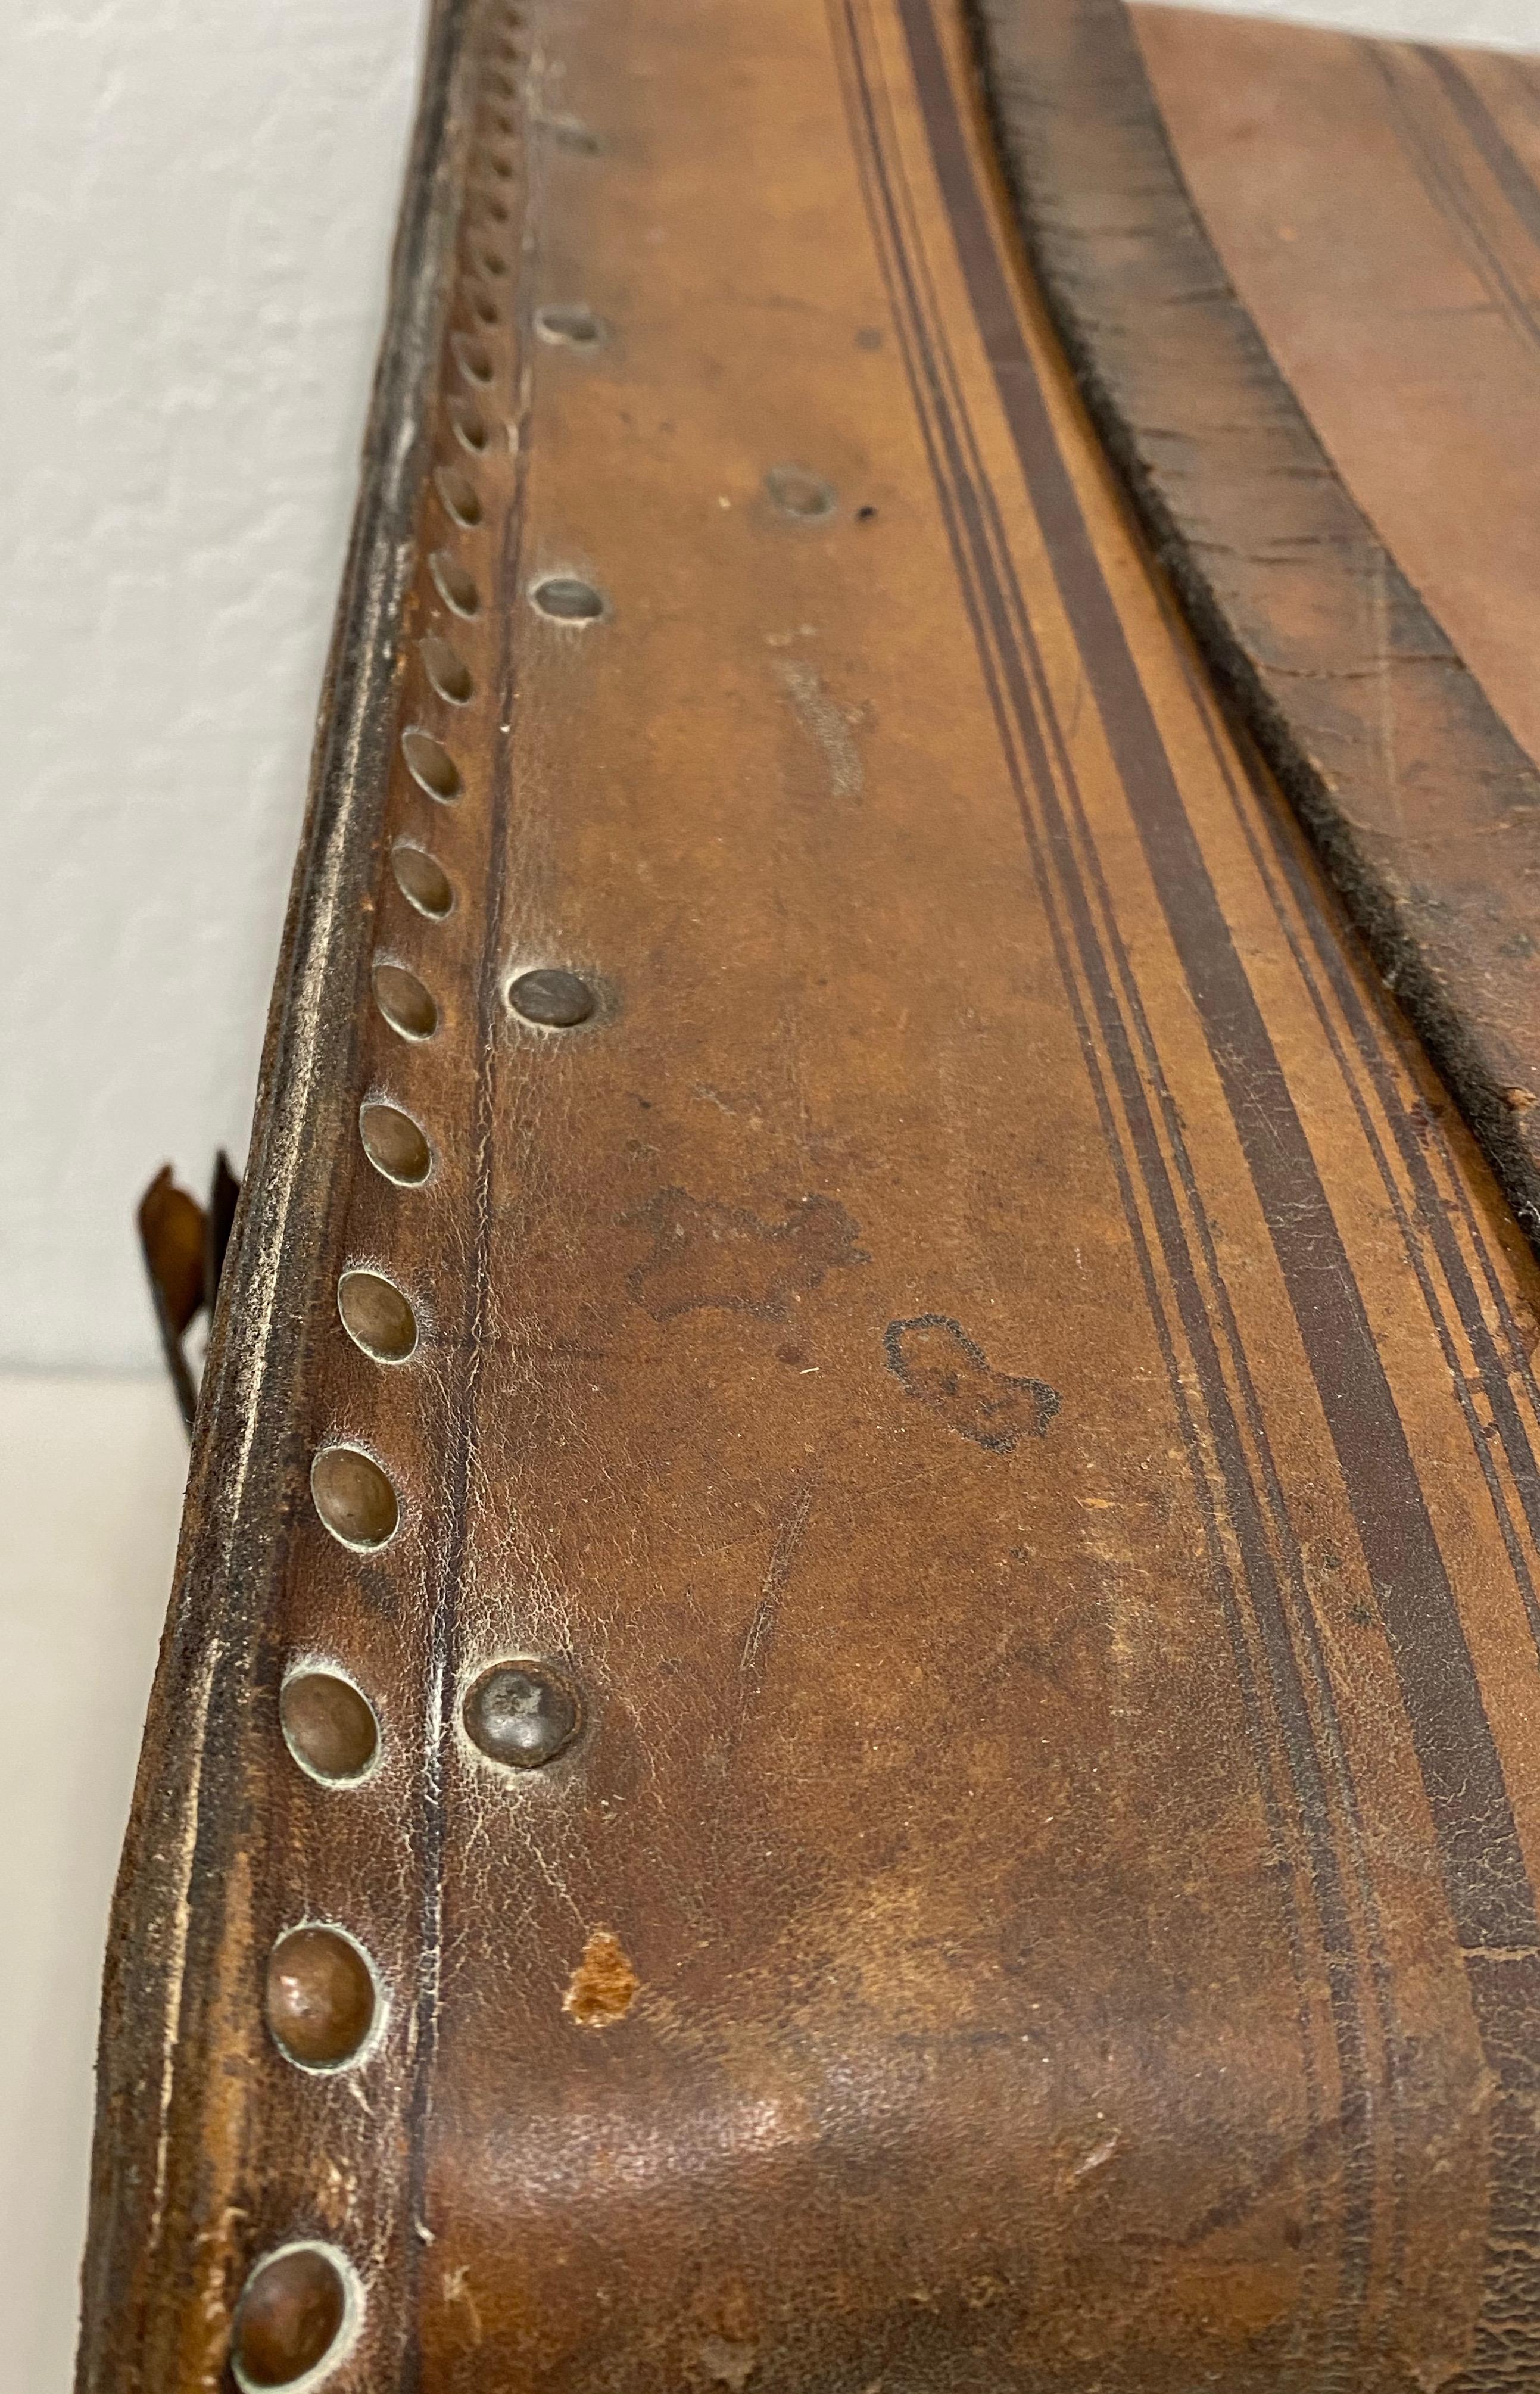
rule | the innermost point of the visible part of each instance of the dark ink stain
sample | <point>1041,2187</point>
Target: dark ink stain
<point>709,1254</point>
<point>938,1361</point>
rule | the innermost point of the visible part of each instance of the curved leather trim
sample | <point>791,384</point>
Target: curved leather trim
<point>186,1826</point>
<point>1301,611</point>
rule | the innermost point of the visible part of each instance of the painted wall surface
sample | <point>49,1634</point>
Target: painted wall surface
<point>1487,24</point>
<point>197,202</point>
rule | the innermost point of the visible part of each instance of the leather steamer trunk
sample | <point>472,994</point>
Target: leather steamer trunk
<point>852,1696</point>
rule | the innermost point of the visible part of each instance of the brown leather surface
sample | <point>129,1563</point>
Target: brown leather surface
<point>985,1366</point>
<point>1376,209</point>
<point>1355,549</point>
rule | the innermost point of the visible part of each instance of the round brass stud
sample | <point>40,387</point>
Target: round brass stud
<point>459,494</point>
<point>469,428</point>
<point>295,2313</point>
<point>569,325</point>
<point>395,1144</point>
<point>474,362</point>
<point>566,598</point>
<point>431,766</point>
<point>354,1498</point>
<point>551,996</point>
<point>321,1997</point>
<point>404,1003</point>
<point>448,673</point>
<point>376,1316</point>
<point>329,1727</point>
<point>422,880</point>
<point>521,1715</point>
<point>457,587</point>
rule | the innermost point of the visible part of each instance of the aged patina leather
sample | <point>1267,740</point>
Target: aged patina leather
<point>1299,275</point>
<point>850,1701</point>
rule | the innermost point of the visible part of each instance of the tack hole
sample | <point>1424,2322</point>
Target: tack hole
<point>431,766</point>
<point>483,307</point>
<point>353,1497</point>
<point>494,262</point>
<point>329,1727</point>
<point>395,1145</point>
<point>797,493</point>
<point>566,600</point>
<point>422,880</point>
<point>448,673</point>
<point>457,587</point>
<point>459,494</point>
<point>407,1006</point>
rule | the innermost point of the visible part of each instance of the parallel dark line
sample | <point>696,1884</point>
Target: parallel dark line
<point>976,559</point>
<point>1431,1212</point>
<point>1447,188</point>
<point>1482,1864</point>
<point>1508,171</point>
<point>1489,1891</point>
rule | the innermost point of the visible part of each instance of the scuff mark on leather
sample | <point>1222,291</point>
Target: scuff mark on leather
<point>937,1362</point>
<point>604,1986</point>
<point>829,725</point>
<point>727,2363</point>
<point>705,1254</point>
<point>788,1537</point>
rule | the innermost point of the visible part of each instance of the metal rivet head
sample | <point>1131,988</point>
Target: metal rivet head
<point>459,494</point>
<point>421,880</point>
<point>468,426</point>
<point>449,674</point>
<point>472,358</point>
<point>550,996</point>
<point>571,133</point>
<point>395,1144</point>
<point>377,1316</point>
<point>292,2316</point>
<point>566,600</point>
<point>431,766</point>
<point>521,1715</point>
<point>320,1998</point>
<point>570,324</point>
<point>405,1004</point>
<point>353,1497</point>
<point>797,493</point>
<point>457,587</point>
<point>328,1726</point>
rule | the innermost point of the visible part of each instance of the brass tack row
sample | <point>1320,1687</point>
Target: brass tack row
<point>301,2308</point>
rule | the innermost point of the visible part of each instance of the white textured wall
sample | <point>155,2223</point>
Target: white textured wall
<point>196,201</point>
<point>1487,24</point>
